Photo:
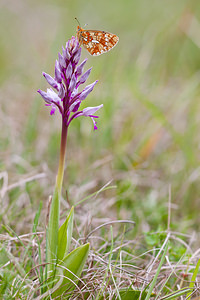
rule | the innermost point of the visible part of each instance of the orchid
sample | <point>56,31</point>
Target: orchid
<point>64,96</point>
<point>68,77</point>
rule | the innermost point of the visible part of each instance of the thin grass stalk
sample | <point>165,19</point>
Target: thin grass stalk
<point>157,272</point>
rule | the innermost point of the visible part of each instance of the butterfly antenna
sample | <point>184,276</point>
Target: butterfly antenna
<point>78,21</point>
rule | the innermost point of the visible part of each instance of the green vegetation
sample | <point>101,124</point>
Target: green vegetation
<point>141,165</point>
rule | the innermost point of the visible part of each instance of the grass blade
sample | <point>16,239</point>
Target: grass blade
<point>157,273</point>
<point>176,294</point>
<point>193,278</point>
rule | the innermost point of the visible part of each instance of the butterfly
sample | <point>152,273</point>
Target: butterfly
<point>96,42</point>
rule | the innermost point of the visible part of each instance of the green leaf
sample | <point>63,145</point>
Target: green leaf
<point>74,262</point>
<point>65,235</point>
<point>132,295</point>
<point>52,231</point>
<point>193,278</point>
<point>128,294</point>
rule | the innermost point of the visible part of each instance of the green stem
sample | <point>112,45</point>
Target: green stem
<point>53,225</point>
<point>59,179</point>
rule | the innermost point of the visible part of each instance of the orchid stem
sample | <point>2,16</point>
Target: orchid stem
<point>59,179</point>
<point>53,225</point>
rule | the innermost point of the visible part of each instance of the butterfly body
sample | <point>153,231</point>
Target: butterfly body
<point>96,42</point>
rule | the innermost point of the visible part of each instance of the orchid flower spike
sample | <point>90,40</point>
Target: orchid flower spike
<point>64,93</point>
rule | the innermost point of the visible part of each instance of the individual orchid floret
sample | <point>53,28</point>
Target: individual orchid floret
<point>68,78</point>
<point>50,97</point>
<point>89,112</point>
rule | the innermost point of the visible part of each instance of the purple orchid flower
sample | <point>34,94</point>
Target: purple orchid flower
<point>64,93</point>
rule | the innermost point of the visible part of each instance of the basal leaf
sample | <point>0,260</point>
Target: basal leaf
<point>65,235</point>
<point>71,268</point>
<point>52,231</point>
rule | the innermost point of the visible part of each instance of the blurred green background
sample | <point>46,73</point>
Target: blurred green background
<point>147,143</point>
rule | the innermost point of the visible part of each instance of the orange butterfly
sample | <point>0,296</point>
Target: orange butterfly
<point>96,42</point>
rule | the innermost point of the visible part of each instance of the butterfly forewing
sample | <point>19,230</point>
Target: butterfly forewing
<point>95,41</point>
